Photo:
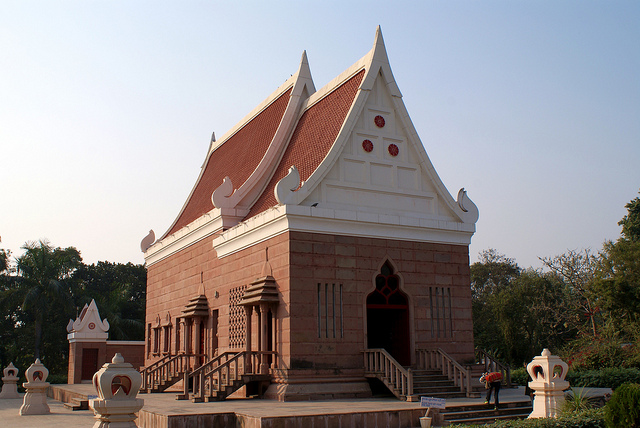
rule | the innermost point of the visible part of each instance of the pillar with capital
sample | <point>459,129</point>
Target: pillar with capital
<point>247,363</point>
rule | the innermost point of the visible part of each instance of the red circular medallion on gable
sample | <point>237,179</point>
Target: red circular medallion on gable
<point>393,150</point>
<point>367,145</point>
<point>91,326</point>
<point>379,121</point>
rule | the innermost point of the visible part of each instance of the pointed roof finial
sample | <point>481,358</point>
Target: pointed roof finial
<point>304,59</point>
<point>380,51</point>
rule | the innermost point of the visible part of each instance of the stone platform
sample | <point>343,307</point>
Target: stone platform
<point>164,411</point>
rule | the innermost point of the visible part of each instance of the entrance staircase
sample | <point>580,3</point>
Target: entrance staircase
<point>166,372</point>
<point>435,375</point>
<point>214,380</point>
<point>433,383</point>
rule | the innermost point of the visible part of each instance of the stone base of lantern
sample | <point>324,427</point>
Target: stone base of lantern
<point>547,404</point>
<point>10,389</point>
<point>35,399</point>
<point>116,413</point>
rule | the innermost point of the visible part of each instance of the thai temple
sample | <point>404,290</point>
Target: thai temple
<point>317,246</point>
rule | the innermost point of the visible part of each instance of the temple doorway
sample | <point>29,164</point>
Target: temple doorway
<point>388,316</point>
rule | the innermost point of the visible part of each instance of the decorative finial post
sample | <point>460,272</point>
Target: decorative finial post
<point>548,383</point>
<point>10,382</point>
<point>35,398</point>
<point>117,384</point>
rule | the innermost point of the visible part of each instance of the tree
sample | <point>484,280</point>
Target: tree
<point>120,293</point>
<point>492,272</point>
<point>43,283</point>
<point>577,269</point>
<point>631,221</point>
<point>618,276</point>
<point>517,312</point>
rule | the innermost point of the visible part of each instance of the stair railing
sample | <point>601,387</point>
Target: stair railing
<point>227,366</point>
<point>164,369</point>
<point>492,364</point>
<point>218,373</point>
<point>379,363</point>
<point>430,359</point>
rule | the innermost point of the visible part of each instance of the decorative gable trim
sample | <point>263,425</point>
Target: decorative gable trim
<point>88,327</point>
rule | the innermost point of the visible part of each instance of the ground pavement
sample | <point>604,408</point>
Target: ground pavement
<point>166,403</point>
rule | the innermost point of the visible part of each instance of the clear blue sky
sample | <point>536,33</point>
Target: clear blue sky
<point>107,108</point>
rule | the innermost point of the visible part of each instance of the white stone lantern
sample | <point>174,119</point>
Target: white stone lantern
<point>35,397</point>
<point>10,382</point>
<point>548,373</point>
<point>117,384</point>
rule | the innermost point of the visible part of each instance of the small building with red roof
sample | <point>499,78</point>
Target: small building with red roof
<point>317,231</point>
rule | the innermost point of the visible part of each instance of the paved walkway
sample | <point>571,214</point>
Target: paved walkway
<point>167,404</point>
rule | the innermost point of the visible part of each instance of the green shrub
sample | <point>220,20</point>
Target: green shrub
<point>611,377</point>
<point>608,377</point>
<point>57,378</point>
<point>520,376</point>
<point>592,418</point>
<point>623,410</point>
<point>593,354</point>
<point>577,401</point>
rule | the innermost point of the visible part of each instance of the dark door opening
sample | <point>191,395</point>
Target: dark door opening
<point>89,363</point>
<point>388,317</point>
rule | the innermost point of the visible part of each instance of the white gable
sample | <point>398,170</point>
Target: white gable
<point>376,181</point>
<point>380,169</point>
<point>88,327</point>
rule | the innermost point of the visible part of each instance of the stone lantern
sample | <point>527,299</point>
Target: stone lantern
<point>10,382</point>
<point>35,397</point>
<point>117,384</point>
<point>548,373</point>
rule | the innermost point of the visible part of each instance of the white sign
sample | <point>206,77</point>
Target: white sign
<point>436,403</point>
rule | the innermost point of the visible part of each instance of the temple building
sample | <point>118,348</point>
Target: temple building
<point>318,230</point>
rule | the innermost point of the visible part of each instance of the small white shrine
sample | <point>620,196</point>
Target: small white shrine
<point>35,397</point>
<point>548,373</point>
<point>10,382</point>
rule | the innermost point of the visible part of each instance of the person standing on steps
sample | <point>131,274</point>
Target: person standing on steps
<point>492,382</point>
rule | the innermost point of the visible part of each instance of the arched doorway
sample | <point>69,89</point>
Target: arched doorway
<point>388,316</point>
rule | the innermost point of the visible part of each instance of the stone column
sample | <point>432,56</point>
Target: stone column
<point>117,384</point>
<point>35,398</point>
<point>549,386</point>
<point>273,336</point>
<point>10,382</point>
<point>247,363</point>
<point>264,367</point>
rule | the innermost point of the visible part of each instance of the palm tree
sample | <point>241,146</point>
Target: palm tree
<point>43,282</point>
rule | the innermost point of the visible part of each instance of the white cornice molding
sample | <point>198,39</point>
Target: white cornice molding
<point>298,218</point>
<point>206,225</point>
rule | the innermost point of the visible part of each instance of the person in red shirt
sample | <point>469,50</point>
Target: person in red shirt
<point>492,381</point>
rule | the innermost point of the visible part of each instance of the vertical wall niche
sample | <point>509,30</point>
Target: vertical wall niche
<point>330,311</point>
<point>440,308</point>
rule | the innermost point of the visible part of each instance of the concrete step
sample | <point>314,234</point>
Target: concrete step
<point>485,413</point>
<point>77,404</point>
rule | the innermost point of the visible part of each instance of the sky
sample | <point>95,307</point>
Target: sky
<point>107,108</point>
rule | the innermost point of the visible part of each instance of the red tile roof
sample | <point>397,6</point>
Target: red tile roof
<point>314,135</point>
<point>236,158</point>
